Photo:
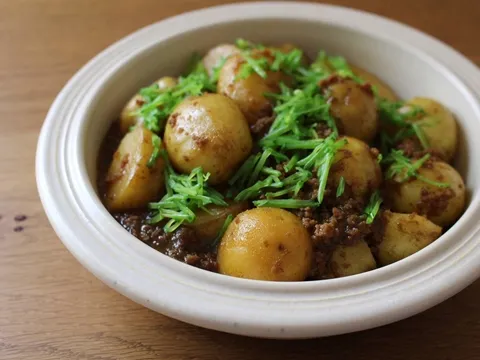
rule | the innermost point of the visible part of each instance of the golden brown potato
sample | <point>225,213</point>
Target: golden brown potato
<point>249,93</point>
<point>208,224</point>
<point>215,56</point>
<point>442,205</point>
<point>438,125</point>
<point>128,117</point>
<point>383,89</point>
<point>358,166</point>
<point>354,108</point>
<point>266,244</point>
<point>208,131</point>
<point>351,260</point>
<point>404,235</point>
<point>131,183</point>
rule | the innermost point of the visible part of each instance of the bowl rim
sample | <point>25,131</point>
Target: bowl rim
<point>61,177</point>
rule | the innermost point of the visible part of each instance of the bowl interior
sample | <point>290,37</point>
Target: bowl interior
<point>408,71</point>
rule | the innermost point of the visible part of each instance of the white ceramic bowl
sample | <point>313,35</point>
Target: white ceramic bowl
<point>411,62</point>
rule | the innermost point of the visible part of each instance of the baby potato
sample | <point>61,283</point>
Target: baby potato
<point>358,166</point>
<point>351,260</point>
<point>208,131</point>
<point>208,224</point>
<point>354,108</point>
<point>131,183</point>
<point>438,125</point>
<point>404,235</point>
<point>128,117</point>
<point>266,244</point>
<point>249,93</point>
<point>383,89</point>
<point>215,55</point>
<point>442,205</point>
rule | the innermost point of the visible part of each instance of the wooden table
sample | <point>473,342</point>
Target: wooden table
<point>51,308</point>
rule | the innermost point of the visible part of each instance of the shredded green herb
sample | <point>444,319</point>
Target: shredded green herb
<point>397,113</point>
<point>402,168</point>
<point>185,194</point>
<point>341,187</point>
<point>286,203</point>
<point>159,104</point>
<point>157,143</point>
<point>222,230</point>
<point>260,60</point>
<point>373,207</point>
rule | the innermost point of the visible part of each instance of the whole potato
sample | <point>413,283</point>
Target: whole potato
<point>207,225</point>
<point>383,89</point>
<point>131,183</point>
<point>208,131</point>
<point>351,260</point>
<point>266,244</point>
<point>442,205</point>
<point>128,119</point>
<point>215,55</point>
<point>358,166</point>
<point>354,108</point>
<point>438,125</point>
<point>404,235</point>
<point>249,93</point>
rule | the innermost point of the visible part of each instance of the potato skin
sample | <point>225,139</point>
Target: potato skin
<point>215,55</point>
<point>266,244</point>
<point>207,226</point>
<point>208,131</point>
<point>354,108</point>
<point>351,260</point>
<point>127,117</point>
<point>358,166</point>
<point>404,235</point>
<point>441,205</point>
<point>248,93</point>
<point>130,182</point>
<point>439,127</point>
<point>383,89</point>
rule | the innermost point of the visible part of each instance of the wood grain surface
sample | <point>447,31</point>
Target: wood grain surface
<point>52,308</point>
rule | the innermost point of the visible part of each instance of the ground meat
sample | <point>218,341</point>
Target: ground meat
<point>434,203</point>
<point>323,130</point>
<point>261,126</point>
<point>182,244</point>
<point>412,148</point>
<point>342,225</point>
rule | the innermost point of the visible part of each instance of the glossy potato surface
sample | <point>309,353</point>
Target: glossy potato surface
<point>208,131</point>
<point>130,182</point>
<point>351,260</point>
<point>128,119</point>
<point>354,109</point>
<point>216,54</point>
<point>439,204</point>
<point>207,225</point>
<point>266,244</point>
<point>383,89</point>
<point>438,125</point>
<point>358,166</point>
<point>249,93</point>
<point>404,235</point>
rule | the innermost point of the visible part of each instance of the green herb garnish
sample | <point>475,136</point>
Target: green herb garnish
<point>222,230</point>
<point>341,187</point>
<point>157,143</point>
<point>402,168</point>
<point>185,195</point>
<point>373,207</point>
<point>159,104</point>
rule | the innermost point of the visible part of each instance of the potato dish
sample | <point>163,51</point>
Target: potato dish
<point>262,163</point>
